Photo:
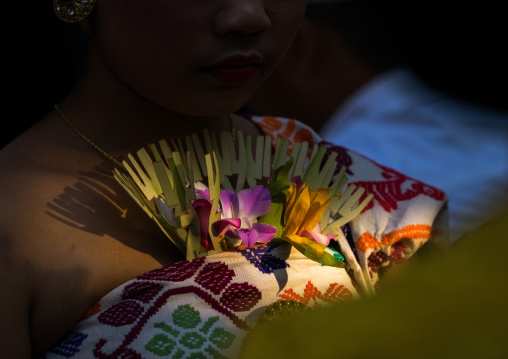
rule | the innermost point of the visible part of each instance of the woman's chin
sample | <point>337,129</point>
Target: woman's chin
<point>217,107</point>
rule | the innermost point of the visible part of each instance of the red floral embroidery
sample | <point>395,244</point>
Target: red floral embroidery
<point>397,187</point>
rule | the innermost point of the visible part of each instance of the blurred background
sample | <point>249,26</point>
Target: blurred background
<point>42,58</point>
<point>455,46</point>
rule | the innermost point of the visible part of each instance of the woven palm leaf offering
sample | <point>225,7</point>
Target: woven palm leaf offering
<point>208,199</point>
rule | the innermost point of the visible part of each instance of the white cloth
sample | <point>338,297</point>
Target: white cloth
<point>458,147</point>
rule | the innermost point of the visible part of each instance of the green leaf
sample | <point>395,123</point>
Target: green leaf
<point>282,173</point>
<point>312,174</point>
<point>214,192</point>
<point>179,187</point>
<point>274,217</point>
<point>326,258</point>
<point>194,248</point>
<point>277,187</point>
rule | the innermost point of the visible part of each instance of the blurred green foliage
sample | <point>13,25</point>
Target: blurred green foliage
<point>447,306</point>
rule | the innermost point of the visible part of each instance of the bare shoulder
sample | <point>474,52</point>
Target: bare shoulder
<point>16,288</point>
<point>32,251</point>
<point>68,233</point>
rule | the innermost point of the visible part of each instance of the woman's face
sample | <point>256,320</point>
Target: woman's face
<point>196,57</point>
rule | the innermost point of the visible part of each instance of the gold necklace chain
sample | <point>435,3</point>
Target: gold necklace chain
<point>89,141</point>
<point>104,153</point>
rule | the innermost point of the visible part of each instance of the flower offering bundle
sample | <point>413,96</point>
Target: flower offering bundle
<point>208,199</point>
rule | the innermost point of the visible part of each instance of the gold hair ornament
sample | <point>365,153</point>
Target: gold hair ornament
<point>73,11</point>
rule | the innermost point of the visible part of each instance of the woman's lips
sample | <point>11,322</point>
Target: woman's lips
<point>236,69</point>
<point>232,74</point>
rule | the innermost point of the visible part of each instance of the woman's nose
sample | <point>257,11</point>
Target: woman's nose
<point>242,16</point>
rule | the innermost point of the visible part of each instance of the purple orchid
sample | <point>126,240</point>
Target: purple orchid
<point>239,213</point>
<point>247,206</point>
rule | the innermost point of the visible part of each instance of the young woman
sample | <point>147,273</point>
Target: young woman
<point>69,234</point>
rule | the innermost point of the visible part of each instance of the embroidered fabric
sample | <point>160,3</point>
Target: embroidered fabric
<point>203,308</point>
<point>200,308</point>
<point>404,212</point>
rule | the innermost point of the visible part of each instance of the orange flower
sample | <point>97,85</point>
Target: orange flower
<point>303,211</point>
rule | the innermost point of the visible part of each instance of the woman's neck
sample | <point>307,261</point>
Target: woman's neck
<point>121,121</point>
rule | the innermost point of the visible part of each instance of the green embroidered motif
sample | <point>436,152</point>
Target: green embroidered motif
<point>192,339</point>
<point>215,353</point>
<point>197,356</point>
<point>167,329</point>
<point>161,345</point>
<point>206,327</point>
<point>186,317</point>
<point>222,338</point>
<point>179,354</point>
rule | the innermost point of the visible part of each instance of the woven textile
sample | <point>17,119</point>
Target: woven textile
<point>204,307</point>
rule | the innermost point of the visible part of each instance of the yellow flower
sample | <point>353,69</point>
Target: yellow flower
<point>303,211</point>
